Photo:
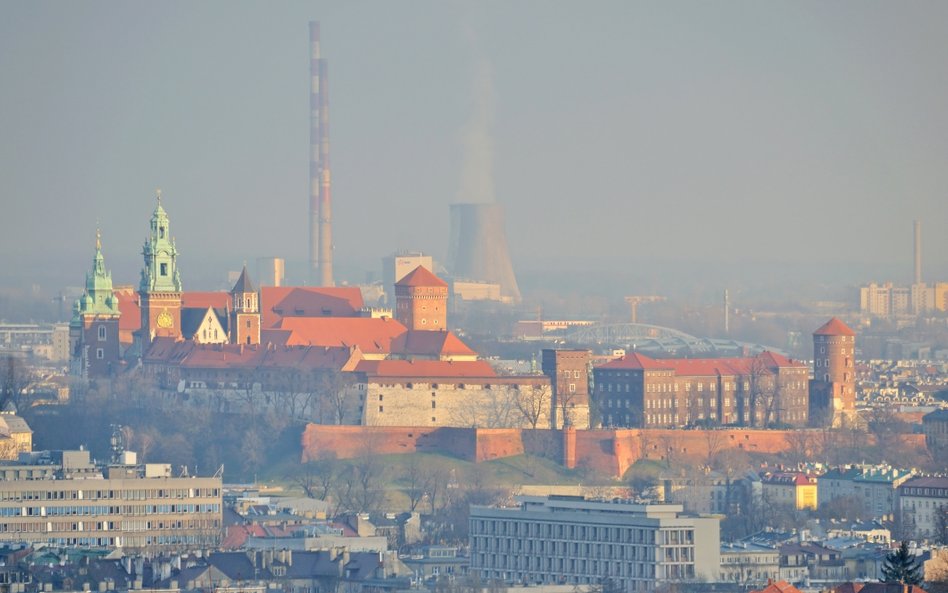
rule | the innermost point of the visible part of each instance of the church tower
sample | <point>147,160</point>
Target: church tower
<point>160,289</point>
<point>94,329</point>
<point>833,388</point>
<point>245,312</point>
<point>421,301</point>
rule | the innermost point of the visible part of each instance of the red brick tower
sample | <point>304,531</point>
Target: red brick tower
<point>833,389</point>
<point>421,301</point>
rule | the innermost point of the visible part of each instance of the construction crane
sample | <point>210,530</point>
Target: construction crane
<point>634,301</point>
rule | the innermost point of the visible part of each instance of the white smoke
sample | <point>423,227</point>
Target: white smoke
<point>477,166</point>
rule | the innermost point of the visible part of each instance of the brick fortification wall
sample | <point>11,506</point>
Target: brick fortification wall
<point>609,452</point>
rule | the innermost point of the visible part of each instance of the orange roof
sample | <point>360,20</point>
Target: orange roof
<point>430,343</point>
<point>203,300</point>
<point>421,276</point>
<point>131,314</point>
<point>697,367</point>
<point>425,368</point>
<point>187,354</point>
<point>778,587</point>
<point>370,334</point>
<point>277,302</point>
<point>834,327</point>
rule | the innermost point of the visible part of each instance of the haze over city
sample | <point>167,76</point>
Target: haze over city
<point>654,141</point>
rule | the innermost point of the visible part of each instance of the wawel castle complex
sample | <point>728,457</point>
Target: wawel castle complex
<point>318,354</point>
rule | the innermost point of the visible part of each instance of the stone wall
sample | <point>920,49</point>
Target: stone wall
<point>608,452</point>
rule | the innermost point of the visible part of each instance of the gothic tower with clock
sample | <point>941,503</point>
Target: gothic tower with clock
<point>160,289</point>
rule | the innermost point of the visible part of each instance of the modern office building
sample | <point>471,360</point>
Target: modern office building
<point>574,541</point>
<point>62,498</point>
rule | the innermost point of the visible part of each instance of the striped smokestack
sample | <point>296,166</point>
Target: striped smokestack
<point>320,206</point>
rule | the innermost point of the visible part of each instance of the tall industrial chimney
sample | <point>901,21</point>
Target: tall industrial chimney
<point>478,248</point>
<point>320,205</point>
<point>918,252</point>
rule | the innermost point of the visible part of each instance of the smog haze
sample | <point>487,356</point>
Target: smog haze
<point>668,138</point>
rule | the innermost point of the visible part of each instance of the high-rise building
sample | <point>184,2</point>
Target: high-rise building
<point>833,388</point>
<point>94,329</point>
<point>569,540</point>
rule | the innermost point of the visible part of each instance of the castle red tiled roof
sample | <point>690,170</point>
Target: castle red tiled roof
<point>425,368</point>
<point>370,334</point>
<point>702,367</point>
<point>778,587</point>
<point>203,300</point>
<point>187,354</point>
<point>430,343</point>
<point>131,314</point>
<point>421,276</point>
<point>834,327</point>
<point>278,302</point>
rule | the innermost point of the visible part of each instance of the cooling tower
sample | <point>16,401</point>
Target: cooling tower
<point>478,247</point>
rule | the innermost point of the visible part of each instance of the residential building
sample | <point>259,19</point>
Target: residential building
<point>923,502</point>
<point>935,427</point>
<point>794,489</point>
<point>747,562</point>
<point>574,541</point>
<point>638,391</point>
<point>61,498</point>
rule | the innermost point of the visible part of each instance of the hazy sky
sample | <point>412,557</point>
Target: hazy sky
<point>622,131</point>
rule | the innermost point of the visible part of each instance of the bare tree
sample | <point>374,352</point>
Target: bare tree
<point>16,378</point>
<point>414,482</point>
<point>334,389</point>
<point>800,446</point>
<point>534,402</point>
<point>715,441</point>
<point>492,407</point>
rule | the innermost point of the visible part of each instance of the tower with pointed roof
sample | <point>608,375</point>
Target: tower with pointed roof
<point>160,288</point>
<point>94,328</point>
<point>245,312</point>
<point>421,301</point>
<point>833,388</point>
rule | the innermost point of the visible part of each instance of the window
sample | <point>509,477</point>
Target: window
<point>381,409</point>
<point>164,269</point>
<point>433,404</point>
<point>101,333</point>
<point>572,388</point>
<point>99,353</point>
<point>576,374</point>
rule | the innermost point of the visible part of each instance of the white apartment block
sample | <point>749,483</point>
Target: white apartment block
<point>921,501</point>
<point>569,540</point>
<point>61,498</point>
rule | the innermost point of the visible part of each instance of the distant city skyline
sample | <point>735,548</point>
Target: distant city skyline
<point>618,136</point>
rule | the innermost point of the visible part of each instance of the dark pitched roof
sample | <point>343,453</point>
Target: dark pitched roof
<point>244,285</point>
<point>191,318</point>
<point>236,565</point>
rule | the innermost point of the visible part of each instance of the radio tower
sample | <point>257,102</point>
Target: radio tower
<point>320,204</point>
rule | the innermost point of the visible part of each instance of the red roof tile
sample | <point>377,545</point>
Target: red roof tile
<point>131,314</point>
<point>203,300</point>
<point>834,327</point>
<point>698,367</point>
<point>778,587</point>
<point>277,302</point>
<point>421,276</point>
<point>370,334</point>
<point>430,343</point>
<point>425,368</point>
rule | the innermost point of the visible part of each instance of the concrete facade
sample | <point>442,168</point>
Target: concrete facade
<point>571,540</point>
